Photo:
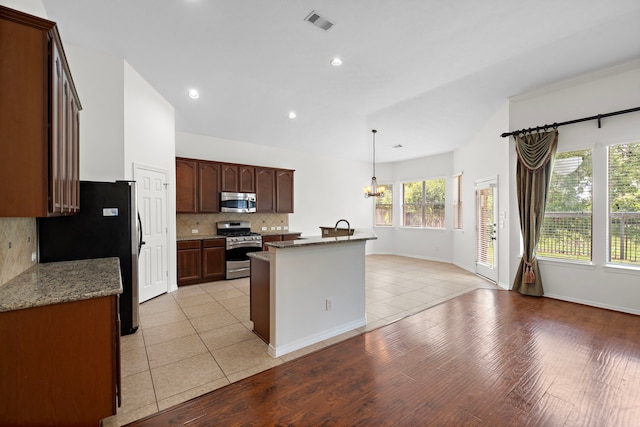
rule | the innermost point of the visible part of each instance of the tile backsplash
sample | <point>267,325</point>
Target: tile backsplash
<point>206,223</point>
<point>17,244</point>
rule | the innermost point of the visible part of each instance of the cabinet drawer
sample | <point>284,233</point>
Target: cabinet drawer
<point>213,243</point>
<point>189,244</point>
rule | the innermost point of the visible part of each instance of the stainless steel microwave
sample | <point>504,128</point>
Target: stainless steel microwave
<point>237,202</point>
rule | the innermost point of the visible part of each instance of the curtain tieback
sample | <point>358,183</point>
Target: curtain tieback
<point>528,276</point>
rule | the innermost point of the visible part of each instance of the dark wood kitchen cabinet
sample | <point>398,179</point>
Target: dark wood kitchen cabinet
<point>278,238</point>
<point>259,297</point>
<point>189,262</point>
<point>265,190</point>
<point>200,261</point>
<point>213,259</point>
<point>208,187</point>
<point>197,186</point>
<point>60,363</point>
<point>274,190</point>
<point>237,178</point>
<point>186,186</point>
<point>284,191</point>
<point>39,120</point>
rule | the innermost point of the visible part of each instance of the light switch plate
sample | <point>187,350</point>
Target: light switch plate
<point>194,231</point>
<point>264,228</point>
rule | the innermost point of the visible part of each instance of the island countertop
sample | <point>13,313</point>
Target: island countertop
<point>358,235</point>
<point>59,282</point>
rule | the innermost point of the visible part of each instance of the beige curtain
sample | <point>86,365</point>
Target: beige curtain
<point>536,152</point>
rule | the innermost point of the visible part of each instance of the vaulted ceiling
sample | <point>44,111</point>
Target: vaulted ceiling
<point>427,74</point>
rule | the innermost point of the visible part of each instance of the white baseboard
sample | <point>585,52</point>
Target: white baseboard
<point>594,304</point>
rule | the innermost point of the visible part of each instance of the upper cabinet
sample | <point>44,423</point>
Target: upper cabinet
<point>197,186</point>
<point>265,190</point>
<point>284,191</point>
<point>186,186</point>
<point>39,120</point>
<point>237,178</point>
<point>199,183</point>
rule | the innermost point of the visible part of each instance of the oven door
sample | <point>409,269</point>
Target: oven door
<point>238,262</point>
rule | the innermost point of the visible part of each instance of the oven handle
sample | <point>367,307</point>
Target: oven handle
<point>251,244</point>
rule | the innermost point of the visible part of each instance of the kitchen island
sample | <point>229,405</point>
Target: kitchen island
<point>60,332</point>
<point>315,290</point>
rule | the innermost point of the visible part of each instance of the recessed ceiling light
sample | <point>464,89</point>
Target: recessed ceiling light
<point>292,115</point>
<point>193,94</point>
<point>336,62</point>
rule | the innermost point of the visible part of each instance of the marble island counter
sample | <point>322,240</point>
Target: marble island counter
<point>59,282</point>
<point>308,290</point>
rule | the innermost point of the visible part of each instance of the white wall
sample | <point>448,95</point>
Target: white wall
<point>610,90</point>
<point>99,80</point>
<point>33,7</point>
<point>149,136</point>
<point>325,188</point>
<point>434,244</point>
<point>485,156</point>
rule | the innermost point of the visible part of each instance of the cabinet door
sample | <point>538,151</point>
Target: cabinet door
<point>284,191</point>
<point>209,187</point>
<point>229,178</point>
<point>270,238</point>
<point>265,190</point>
<point>186,185</point>
<point>287,237</point>
<point>189,266</point>
<point>213,259</point>
<point>57,136</point>
<point>246,179</point>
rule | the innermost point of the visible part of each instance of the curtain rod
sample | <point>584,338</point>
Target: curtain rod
<point>570,122</point>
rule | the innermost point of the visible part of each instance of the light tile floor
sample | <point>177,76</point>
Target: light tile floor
<point>199,338</point>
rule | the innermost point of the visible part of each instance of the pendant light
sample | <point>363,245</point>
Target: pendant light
<point>374,190</point>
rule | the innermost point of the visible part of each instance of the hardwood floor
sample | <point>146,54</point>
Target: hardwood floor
<point>487,357</point>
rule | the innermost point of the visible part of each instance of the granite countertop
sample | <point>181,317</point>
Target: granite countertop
<point>262,255</point>
<point>358,235</point>
<point>217,236</point>
<point>58,282</point>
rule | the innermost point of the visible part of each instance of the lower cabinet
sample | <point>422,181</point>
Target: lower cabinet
<point>60,363</point>
<point>259,299</point>
<point>277,238</point>
<point>200,261</point>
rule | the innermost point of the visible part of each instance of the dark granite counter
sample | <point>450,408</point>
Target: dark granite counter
<point>58,282</point>
<point>198,237</point>
<point>262,256</point>
<point>358,235</point>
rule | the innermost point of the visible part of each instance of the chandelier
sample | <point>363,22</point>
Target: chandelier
<point>374,190</point>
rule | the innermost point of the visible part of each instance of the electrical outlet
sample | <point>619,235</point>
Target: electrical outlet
<point>194,231</point>
<point>34,256</point>
<point>264,228</point>
<point>278,228</point>
<point>329,304</point>
<point>286,227</point>
<point>273,228</point>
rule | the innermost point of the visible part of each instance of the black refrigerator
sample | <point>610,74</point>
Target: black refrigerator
<point>108,225</point>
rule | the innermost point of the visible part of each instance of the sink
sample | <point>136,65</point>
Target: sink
<point>333,232</point>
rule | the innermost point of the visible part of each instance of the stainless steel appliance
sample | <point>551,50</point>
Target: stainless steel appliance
<point>108,225</point>
<point>237,202</point>
<point>239,241</point>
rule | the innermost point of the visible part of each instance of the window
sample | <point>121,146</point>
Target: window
<point>566,230</point>
<point>423,203</point>
<point>624,204</point>
<point>457,202</point>
<point>384,207</point>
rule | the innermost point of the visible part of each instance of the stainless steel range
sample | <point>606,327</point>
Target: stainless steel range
<point>239,242</point>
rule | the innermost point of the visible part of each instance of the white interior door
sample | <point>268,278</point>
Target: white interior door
<point>152,206</point>
<point>487,229</point>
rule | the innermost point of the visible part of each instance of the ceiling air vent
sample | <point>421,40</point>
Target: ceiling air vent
<point>318,21</point>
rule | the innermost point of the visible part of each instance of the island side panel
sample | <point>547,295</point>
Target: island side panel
<point>302,279</point>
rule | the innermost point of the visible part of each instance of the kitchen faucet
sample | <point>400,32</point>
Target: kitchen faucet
<point>335,229</point>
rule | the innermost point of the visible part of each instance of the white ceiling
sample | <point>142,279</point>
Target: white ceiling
<point>426,74</point>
